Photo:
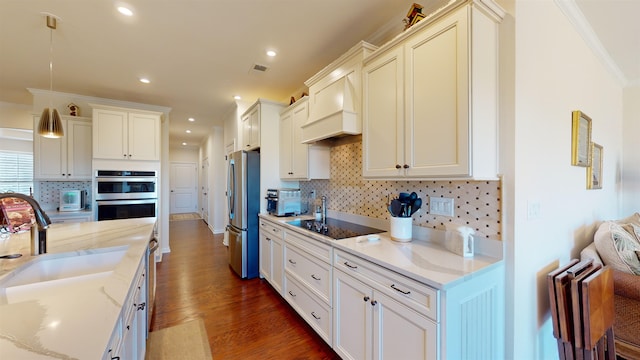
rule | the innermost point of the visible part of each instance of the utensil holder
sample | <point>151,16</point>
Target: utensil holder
<point>401,228</point>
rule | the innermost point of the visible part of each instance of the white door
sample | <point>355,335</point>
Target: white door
<point>183,182</point>
<point>204,190</point>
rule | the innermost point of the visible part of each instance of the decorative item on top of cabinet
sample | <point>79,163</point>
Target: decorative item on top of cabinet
<point>125,134</point>
<point>65,158</point>
<point>334,97</point>
<point>430,98</point>
<point>299,161</point>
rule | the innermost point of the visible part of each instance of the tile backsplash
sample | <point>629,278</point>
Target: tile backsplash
<point>477,204</point>
<point>48,192</point>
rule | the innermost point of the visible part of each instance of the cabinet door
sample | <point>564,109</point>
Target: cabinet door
<point>401,333</point>
<point>109,134</point>
<point>251,129</point>
<point>277,264</point>
<point>265,256</point>
<point>50,155</point>
<point>286,144</point>
<point>144,136</point>
<point>300,151</point>
<point>352,322</point>
<point>437,99</point>
<point>254,119</point>
<point>383,114</point>
<point>79,150</point>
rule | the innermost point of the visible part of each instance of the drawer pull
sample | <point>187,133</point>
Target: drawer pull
<point>292,294</point>
<point>373,303</point>
<point>315,277</point>
<point>291,261</point>
<point>315,316</point>
<point>268,239</point>
<point>393,286</point>
<point>346,263</point>
<point>366,298</point>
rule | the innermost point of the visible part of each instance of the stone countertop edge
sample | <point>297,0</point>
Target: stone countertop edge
<point>424,259</point>
<point>78,322</point>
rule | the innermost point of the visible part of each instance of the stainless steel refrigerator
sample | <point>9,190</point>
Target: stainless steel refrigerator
<point>243,199</point>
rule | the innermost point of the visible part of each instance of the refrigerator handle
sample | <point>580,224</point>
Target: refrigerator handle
<point>231,189</point>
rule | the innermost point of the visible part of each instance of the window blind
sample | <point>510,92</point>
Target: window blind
<point>16,172</point>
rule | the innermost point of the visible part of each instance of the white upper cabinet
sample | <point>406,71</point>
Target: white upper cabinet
<point>126,134</point>
<point>65,158</point>
<point>251,129</point>
<point>299,161</point>
<point>430,99</point>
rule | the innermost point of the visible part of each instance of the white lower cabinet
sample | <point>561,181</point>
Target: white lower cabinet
<point>316,313</point>
<point>369,323</point>
<point>271,254</point>
<point>128,340</point>
<point>308,281</point>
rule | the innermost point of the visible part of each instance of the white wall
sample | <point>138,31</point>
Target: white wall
<point>555,73</point>
<point>212,148</point>
<point>631,151</point>
<point>184,154</point>
<point>16,116</point>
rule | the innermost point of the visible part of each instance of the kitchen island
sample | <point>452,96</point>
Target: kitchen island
<point>71,316</point>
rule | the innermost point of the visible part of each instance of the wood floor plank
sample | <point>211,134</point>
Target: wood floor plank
<point>245,319</point>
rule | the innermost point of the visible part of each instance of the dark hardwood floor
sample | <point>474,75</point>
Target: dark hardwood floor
<point>245,319</point>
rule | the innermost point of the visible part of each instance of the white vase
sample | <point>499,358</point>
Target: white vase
<point>401,228</point>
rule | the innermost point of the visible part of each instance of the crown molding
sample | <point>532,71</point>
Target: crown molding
<point>575,16</point>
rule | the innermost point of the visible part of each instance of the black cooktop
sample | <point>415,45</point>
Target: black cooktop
<point>335,229</point>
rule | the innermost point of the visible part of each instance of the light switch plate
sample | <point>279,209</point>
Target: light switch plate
<point>441,206</point>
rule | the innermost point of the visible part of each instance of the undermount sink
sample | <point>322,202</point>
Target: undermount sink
<point>48,268</point>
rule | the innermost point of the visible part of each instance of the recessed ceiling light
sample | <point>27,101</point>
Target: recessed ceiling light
<point>237,97</point>
<point>125,11</point>
<point>184,144</point>
<point>191,119</point>
<point>271,53</point>
<point>188,131</point>
<point>145,80</point>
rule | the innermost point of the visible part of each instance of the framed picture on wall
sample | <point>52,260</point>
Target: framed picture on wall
<point>594,172</point>
<point>580,139</point>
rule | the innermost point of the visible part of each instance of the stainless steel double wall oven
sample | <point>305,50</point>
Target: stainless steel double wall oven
<point>124,194</point>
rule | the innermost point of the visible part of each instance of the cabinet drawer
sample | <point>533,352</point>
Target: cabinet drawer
<point>315,313</point>
<point>270,229</point>
<point>314,247</point>
<point>311,272</point>
<point>419,297</point>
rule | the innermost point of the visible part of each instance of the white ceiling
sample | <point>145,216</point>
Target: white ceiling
<point>199,53</point>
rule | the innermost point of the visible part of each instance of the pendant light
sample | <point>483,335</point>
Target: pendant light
<point>50,125</point>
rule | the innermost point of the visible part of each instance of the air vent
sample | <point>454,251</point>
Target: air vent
<point>258,67</point>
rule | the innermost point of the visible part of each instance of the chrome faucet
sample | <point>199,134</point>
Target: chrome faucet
<point>39,232</point>
<point>324,209</point>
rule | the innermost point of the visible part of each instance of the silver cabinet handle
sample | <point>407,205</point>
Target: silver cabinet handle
<point>315,316</point>
<point>349,265</point>
<point>291,261</point>
<point>315,277</point>
<point>292,294</point>
<point>393,286</point>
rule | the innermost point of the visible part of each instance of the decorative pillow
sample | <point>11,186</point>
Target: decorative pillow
<point>633,219</point>
<point>617,247</point>
<point>632,229</point>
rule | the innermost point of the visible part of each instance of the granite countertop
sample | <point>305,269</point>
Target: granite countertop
<point>424,258</point>
<point>77,320</point>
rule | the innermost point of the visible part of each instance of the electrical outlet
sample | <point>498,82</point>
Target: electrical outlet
<point>441,206</point>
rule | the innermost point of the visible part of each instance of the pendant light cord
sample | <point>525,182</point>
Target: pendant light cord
<point>50,68</point>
